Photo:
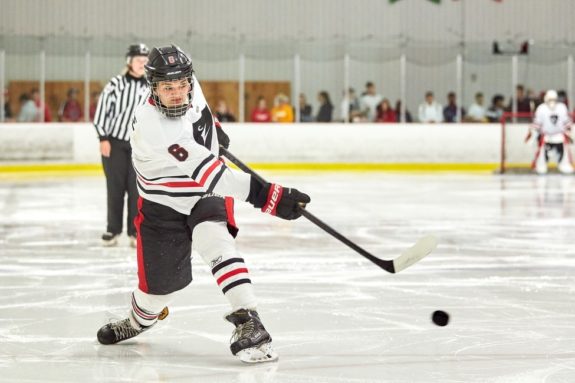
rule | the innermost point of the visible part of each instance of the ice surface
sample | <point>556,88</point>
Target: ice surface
<point>504,269</point>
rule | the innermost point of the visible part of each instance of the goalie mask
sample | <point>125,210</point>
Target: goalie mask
<point>169,72</point>
<point>551,99</point>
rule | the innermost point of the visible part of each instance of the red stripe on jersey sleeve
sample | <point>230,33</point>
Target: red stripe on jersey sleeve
<point>186,184</point>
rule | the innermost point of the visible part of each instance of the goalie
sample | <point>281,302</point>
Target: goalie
<point>552,127</point>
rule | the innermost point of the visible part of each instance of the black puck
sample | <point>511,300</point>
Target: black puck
<point>440,318</point>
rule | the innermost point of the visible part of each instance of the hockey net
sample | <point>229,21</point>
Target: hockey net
<point>516,154</point>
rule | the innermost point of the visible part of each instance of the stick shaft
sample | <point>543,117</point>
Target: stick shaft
<point>384,264</point>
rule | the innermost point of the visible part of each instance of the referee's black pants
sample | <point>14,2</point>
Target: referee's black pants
<point>120,179</point>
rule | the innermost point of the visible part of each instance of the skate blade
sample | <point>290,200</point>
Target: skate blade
<point>111,243</point>
<point>261,354</point>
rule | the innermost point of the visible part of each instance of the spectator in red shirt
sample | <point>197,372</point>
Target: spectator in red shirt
<point>385,113</point>
<point>261,113</point>
<point>71,110</point>
<point>94,97</point>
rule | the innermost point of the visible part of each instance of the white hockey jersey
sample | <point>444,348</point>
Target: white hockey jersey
<point>176,160</point>
<point>552,122</point>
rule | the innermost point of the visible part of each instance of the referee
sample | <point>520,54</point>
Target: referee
<point>112,121</point>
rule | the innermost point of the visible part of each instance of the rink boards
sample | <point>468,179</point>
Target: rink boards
<point>314,146</point>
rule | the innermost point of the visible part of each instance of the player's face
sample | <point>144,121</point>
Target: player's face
<point>173,93</point>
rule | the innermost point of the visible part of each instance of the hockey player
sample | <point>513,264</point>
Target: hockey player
<point>186,198</point>
<point>552,126</point>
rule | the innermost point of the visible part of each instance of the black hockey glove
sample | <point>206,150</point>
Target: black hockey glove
<point>223,138</point>
<point>274,199</point>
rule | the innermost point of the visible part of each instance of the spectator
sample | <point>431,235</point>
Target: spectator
<point>430,111</point>
<point>496,109</point>
<point>28,110</point>
<point>305,114</point>
<point>70,110</point>
<point>523,104</point>
<point>8,115</point>
<point>282,110</point>
<point>94,97</point>
<point>261,113</point>
<point>534,99</point>
<point>385,113</point>
<point>477,112</point>
<point>369,101</point>
<point>350,109</point>
<point>450,111</point>
<point>35,94</point>
<point>406,116</point>
<point>325,107</point>
<point>223,114</point>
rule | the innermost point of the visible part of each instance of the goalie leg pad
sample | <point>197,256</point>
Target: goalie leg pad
<point>565,166</point>
<point>541,161</point>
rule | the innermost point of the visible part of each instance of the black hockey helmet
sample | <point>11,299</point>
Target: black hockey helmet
<point>137,50</point>
<point>168,64</point>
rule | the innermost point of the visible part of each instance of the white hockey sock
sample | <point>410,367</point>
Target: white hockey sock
<point>147,307</point>
<point>217,248</point>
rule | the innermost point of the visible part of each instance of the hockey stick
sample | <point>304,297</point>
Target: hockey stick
<point>408,257</point>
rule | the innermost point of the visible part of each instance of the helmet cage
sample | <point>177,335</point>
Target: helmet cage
<point>169,64</point>
<point>177,110</point>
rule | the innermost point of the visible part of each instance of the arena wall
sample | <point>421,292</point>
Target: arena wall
<point>289,146</point>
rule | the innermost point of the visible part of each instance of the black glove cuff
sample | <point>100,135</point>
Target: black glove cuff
<point>258,193</point>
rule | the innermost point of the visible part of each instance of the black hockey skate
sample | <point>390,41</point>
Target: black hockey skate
<point>109,239</point>
<point>250,342</point>
<point>115,332</point>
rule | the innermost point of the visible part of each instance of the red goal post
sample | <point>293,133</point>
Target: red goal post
<point>516,155</point>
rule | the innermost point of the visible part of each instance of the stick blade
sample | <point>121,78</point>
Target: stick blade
<point>415,253</point>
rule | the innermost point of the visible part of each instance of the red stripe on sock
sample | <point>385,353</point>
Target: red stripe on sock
<point>231,274</point>
<point>141,313</point>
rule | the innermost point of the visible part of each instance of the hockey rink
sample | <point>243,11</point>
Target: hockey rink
<point>504,270</point>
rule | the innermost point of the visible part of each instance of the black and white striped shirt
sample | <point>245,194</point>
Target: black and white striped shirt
<point>117,104</point>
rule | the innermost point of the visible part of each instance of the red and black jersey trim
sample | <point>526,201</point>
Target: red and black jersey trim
<point>158,178</point>
<point>171,194</point>
<point>194,174</point>
<point>210,188</point>
<point>201,165</point>
<point>216,179</point>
